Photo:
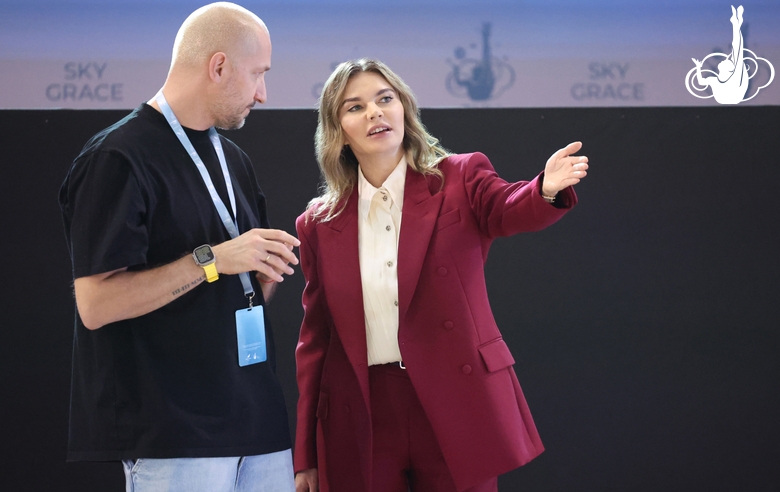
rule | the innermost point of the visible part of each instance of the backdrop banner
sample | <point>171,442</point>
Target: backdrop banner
<point>109,55</point>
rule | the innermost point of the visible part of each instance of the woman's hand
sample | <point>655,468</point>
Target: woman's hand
<point>307,481</point>
<point>564,170</point>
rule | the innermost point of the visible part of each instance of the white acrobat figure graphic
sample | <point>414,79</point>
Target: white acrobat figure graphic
<point>730,84</point>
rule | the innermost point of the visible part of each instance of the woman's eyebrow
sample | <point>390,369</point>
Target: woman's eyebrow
<point>353,99</point>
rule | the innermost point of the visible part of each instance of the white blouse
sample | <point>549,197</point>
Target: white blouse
<point>379,225</point>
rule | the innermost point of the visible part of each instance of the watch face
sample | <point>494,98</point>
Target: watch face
<point>204,254</point>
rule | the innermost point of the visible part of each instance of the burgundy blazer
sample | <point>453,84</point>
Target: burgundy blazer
<point>460,366</point>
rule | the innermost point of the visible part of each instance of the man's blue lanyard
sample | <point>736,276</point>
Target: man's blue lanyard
<point>230,224</point>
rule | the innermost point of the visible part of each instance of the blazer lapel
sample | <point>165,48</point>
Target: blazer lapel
<point>341,272</point>
<point>421,209</point>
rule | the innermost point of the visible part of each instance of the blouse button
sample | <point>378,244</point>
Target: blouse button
<point>395,303</point>
<point>389,263</point>
<point>387,228</point>
<point>442,271</point>
<point>466,369</point>
<point>448,325</point>
<point>384,197</point>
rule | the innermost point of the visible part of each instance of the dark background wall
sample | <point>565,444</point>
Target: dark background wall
<point>644,324</point>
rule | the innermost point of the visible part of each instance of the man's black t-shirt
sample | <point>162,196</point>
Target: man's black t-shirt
<point>166,384</point>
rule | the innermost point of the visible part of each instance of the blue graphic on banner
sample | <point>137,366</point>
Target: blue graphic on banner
<point>479,79</point>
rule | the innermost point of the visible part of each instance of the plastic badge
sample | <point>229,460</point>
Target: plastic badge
<point>250,331</point>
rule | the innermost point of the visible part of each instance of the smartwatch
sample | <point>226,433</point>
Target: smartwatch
<point>204,257</point>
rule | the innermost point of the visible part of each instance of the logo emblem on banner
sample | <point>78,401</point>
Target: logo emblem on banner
<point>479,79</point>
<point>730,84</point>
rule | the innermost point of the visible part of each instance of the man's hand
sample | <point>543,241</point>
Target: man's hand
<point>307,481</point>
<point>564,170</point>
<point>266,251</point>
<point>120,294</point>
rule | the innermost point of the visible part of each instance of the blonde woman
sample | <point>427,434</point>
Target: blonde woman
<point>405,382</point>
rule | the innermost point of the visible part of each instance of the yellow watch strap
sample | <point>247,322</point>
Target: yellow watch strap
<point>211,272</point>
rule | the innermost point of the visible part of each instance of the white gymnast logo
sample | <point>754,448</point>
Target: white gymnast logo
<point>730,84</point>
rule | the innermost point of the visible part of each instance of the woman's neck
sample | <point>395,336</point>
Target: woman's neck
<point>377,168</point>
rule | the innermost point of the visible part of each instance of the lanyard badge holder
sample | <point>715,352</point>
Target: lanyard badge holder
<point>250,322</point>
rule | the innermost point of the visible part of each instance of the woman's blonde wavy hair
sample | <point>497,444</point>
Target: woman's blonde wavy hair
<point>337,162</point>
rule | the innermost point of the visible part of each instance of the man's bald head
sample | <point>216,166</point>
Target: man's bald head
<point>217,27</point>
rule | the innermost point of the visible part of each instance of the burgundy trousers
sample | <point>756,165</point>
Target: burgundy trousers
<point>406,455</point>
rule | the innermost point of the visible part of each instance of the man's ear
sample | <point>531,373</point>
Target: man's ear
<point>217,65</point>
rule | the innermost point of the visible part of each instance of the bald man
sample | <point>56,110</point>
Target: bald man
<point>173,260</point>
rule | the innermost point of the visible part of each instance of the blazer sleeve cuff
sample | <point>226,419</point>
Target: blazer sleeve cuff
<point>564,200</point>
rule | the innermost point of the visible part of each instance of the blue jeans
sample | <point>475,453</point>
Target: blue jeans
<point>271,472</point>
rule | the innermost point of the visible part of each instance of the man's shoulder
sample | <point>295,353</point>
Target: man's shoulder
<point>233,151</point>
<point>126,134</point>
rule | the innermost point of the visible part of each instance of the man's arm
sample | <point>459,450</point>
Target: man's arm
<point>113,296</point>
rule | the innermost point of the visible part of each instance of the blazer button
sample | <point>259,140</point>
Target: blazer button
<point>442,271</point>
<point>448,325</point>
<point>346,408</point>
<point>466,369</point>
